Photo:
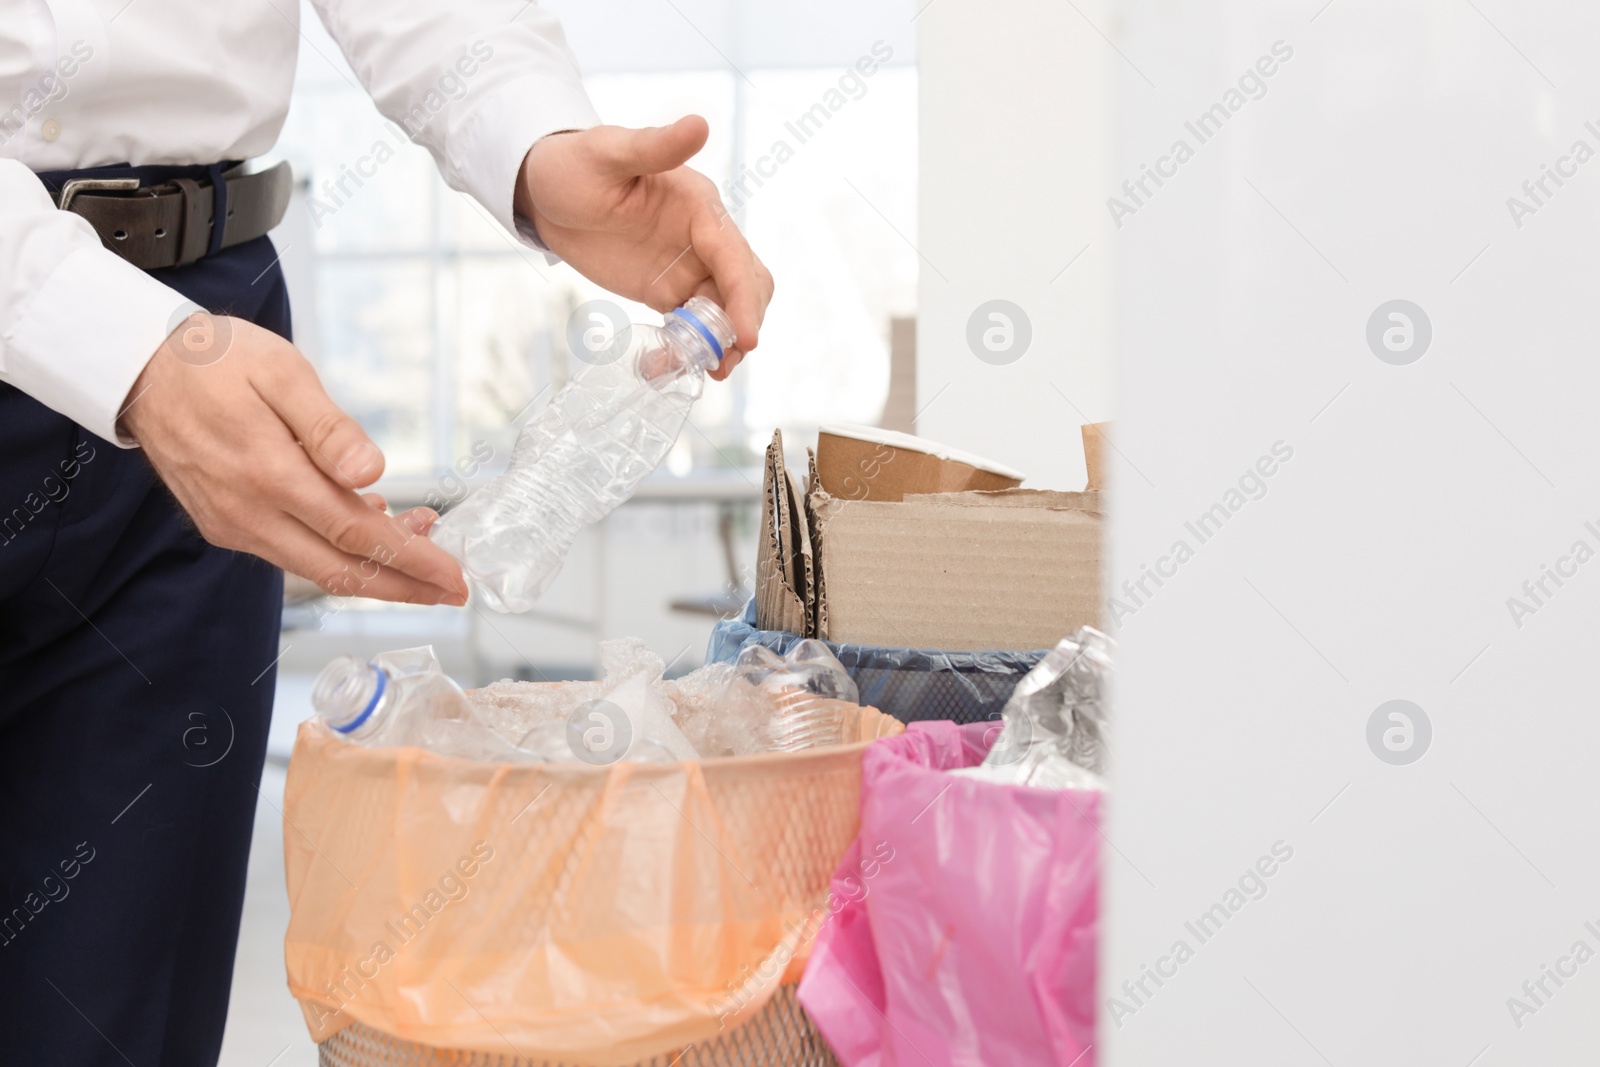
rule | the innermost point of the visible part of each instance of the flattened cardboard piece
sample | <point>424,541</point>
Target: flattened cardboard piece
<point>819,579</point>
<point>1012,570</point>
<point>870,463</point>
<point>782,577</point>
<point>1094,444</point>
<point>802,553</point>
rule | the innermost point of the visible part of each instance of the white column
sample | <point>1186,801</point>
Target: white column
<point>1014,149</point>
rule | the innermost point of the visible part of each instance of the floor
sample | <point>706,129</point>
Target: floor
<point>265,1027</point>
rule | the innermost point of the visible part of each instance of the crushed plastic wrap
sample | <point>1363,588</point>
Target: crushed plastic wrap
<point>628,714</point>
<point>762,703</point>
<point>1055,722</point>
<point>715,729</point>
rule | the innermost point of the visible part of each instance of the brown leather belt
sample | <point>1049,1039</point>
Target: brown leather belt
<point>170,225</point>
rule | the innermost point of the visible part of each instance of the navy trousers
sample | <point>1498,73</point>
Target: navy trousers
<point>136,683</point>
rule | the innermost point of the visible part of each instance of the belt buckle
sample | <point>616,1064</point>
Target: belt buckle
<point>71,189</point>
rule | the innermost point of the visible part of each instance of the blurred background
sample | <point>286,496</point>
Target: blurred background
<point>442,334</point>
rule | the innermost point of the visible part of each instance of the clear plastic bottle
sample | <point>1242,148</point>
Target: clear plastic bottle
<point>404,698</point>
<point>584,454</point>
<point>808,691</point>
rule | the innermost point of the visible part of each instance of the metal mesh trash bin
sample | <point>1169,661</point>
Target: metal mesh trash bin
<point>562,913</point>
<point>780,1036</point>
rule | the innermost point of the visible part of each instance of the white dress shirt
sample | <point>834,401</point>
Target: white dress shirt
<point>85,83</point>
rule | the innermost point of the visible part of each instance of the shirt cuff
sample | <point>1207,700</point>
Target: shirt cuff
<point>504,127</point>
<point>110,342</point>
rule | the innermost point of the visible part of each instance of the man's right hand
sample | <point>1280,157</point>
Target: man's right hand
<point>236,423</point>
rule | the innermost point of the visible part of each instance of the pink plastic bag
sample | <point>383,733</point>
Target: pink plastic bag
<point>966,913</point>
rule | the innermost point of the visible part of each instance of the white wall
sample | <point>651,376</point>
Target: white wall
<point>1418,887</point>
<point>1014,128</point>
<point>1377,563</point>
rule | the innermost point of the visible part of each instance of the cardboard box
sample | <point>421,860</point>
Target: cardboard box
<point>1009,569</point>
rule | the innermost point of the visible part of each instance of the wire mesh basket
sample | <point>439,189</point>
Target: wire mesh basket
<point>780,1035</point>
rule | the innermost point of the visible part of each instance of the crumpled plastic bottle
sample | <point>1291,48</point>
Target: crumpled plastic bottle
<point>1054,730</point>
<point>584,454</point>
<point>802,688</point>
<point>405,698</point>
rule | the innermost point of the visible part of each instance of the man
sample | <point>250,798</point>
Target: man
<point>164,448</point>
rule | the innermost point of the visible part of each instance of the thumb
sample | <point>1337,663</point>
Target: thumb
<point>658,148</point>
<point>334,441</point>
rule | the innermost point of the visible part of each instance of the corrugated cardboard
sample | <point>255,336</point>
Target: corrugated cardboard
<point>784,570</point>
<point>1014,569</point>
<point>869,463</point>
<point>819,584</point>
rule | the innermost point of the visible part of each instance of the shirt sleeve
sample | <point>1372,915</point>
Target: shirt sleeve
<point>476,84</point>
<point>77,322</point>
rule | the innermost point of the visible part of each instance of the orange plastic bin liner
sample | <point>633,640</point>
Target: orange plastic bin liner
<point>596,915</point>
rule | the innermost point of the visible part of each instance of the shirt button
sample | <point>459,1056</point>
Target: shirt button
<point>50,130</point>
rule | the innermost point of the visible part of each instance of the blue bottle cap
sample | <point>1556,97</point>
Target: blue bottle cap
<point>366,712</point>
<point>694,320</point>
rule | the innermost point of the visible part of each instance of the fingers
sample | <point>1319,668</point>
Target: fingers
<point>353,574</point>
<point>740,277</point>
<point>294,547</point>
<point>418,520</point>
<point>654,149</point>
<point>731,357</point>
<point>334,441</point>
<point>350,525</point>
<point>264,462</point>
